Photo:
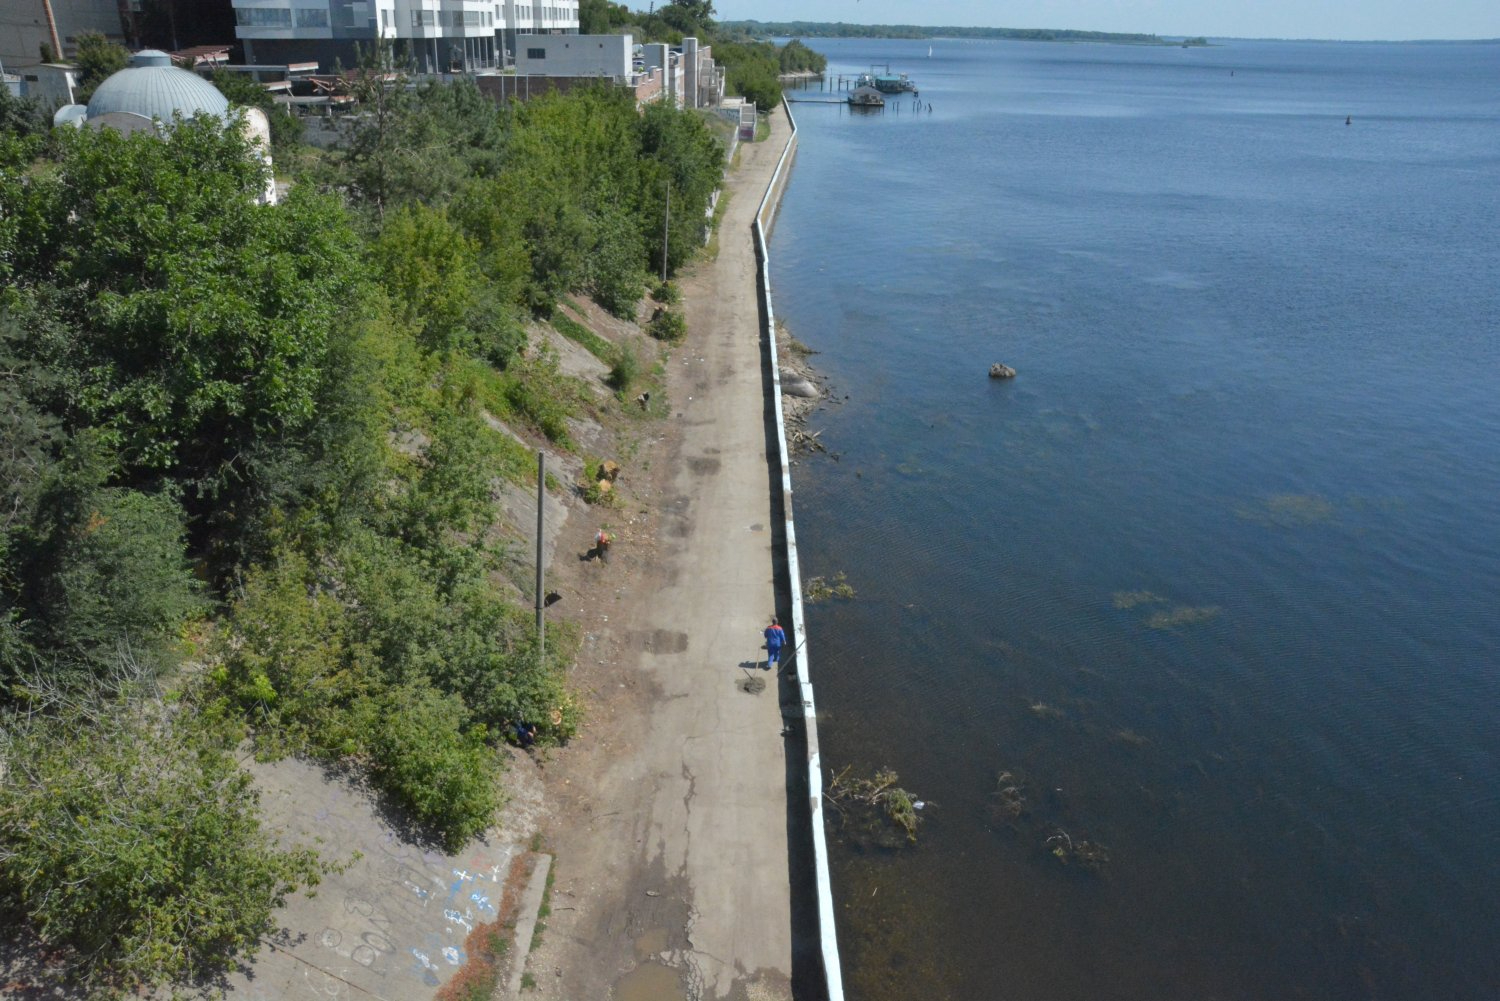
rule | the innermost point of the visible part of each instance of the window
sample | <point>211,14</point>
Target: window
<point>423,18</point>
<point>312,17</point>
<point>263,17</point>
<point>385,19</point>
<point>536,53</point>
<point>473,17</point>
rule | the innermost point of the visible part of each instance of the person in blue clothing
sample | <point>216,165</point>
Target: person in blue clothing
<point>775,637</point>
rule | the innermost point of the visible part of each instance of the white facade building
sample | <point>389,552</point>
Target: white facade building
<point>440,36</point>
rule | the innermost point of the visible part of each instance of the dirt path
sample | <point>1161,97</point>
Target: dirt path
<point>668,815</point>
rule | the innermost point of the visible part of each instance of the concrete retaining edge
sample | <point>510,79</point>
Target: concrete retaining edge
<point>829,946</point>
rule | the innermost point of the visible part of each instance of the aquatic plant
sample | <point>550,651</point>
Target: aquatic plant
<point>866,799</point>
<point>1183,615</point>
<point>1011,796</point>
<point>1089,856</point>
<point>821,588</point>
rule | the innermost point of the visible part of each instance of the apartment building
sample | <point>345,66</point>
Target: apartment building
<point>440,36</point>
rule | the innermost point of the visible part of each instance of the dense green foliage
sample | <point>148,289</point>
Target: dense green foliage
<point>751,70</point>
<point>128,832</point>
<point>19,116</point>
<point>241,90</point>
<point>96,58</point>
<point>798,58</point>
<point>247,450</point>
<point>601,17</point>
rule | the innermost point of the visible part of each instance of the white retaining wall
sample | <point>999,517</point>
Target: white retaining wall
<point>832,972</point>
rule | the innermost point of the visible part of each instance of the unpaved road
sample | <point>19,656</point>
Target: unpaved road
<point>668,814</point>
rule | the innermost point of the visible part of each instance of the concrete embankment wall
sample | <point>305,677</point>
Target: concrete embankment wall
<point>828,947</point>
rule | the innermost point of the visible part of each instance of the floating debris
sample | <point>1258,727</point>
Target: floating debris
<point>1010,795</point>
<point>821,589</point>
<point>1086,855</point>
<point>1043,711</point>
<point>872,805</point>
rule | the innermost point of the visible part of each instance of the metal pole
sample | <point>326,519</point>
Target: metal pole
<point>541,494</point>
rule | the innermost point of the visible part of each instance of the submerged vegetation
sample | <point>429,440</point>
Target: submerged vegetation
<point>825,588</point>
<point>249,465</point>
<point>871,810</point>
<point>1012,809</point>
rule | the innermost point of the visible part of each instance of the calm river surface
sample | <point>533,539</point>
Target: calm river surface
<point>1216,579</point>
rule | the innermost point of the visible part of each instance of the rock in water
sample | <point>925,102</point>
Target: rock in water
<point>999,371</point>
<point>795,385</point>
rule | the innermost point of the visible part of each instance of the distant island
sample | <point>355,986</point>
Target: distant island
<point>838,29</point>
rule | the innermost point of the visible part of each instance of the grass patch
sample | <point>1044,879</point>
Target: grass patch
<point>533,391</point>
<point>544,911</point>
<point>579,334</point>
<point>712,249</point>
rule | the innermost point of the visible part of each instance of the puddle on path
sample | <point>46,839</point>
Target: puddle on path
<point>650,982</point>
<point>652,943</point>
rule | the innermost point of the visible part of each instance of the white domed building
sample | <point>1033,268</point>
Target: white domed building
<point>148,94</point>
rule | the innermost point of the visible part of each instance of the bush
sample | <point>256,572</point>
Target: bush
<point>105,566</point>
<point>131,837</point>
<point>667,293</point>
<point>668,326</point>
<point>290,665</point>
<point>536,390</point>
<point>626,369</point>
<point>443,773</point>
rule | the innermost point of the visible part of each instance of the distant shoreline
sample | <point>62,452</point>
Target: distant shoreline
<point>839,29</point>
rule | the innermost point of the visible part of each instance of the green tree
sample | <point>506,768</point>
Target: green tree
<point>97,59</point>
<point>107,571</point>
<point>286,128</point>
<point>129,836</point>
<point>751,70</point>
<point>431,270</point>
<point>691,17</point>
<point>20,116</point>
<point>199,320</point>
<point>600,17</point>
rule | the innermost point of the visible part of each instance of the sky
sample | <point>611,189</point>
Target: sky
<point>1342,19</point>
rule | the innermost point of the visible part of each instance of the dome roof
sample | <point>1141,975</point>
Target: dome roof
<point>153,88</point>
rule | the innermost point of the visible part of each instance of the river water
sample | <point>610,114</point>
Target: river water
<point>1214,583</point>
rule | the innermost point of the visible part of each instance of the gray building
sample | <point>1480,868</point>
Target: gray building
<point>607,56</point>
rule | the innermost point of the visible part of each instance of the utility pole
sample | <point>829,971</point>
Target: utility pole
<point>666,226</point>
<point>541,494</point>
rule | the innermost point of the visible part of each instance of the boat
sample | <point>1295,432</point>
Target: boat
<point>866,96</point>
<point>891,83</point>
